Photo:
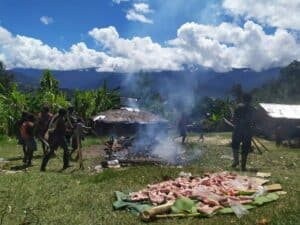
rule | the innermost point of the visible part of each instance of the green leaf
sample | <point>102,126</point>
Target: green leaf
<point>133,207</point>
<point>260,200</point>
<point>246,193</point>
<point>229,210</point>
<point>184,205</point>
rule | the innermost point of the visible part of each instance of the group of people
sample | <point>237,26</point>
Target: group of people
<point>54,131</point>
<point>61,130</point>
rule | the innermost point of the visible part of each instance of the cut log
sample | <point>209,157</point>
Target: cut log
<point>273,187</point>
<point>151,213</point>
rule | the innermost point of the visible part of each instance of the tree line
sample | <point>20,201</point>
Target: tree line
<point>14,101</point>
<point>207,111</point>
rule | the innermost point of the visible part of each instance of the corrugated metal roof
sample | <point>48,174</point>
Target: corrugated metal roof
<point>281,110</point>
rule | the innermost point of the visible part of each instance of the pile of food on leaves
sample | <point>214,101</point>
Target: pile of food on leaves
<point>217,193</point>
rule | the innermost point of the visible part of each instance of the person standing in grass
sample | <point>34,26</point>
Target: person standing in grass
<point>19,137</point>
<point>44,118</point>
<point>57,138</point>
<point>27,134</point>
<point>182,127</point>
<point>244,123</point>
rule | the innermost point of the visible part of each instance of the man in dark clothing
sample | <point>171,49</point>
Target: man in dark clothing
<point>71,119</point>
<point>278,135</point>
<point>182,127</point>
<point>57,138</point>
<point>44,119</point>
<point>244,121</point>
<point>20,139</point>
<point>27,134</point>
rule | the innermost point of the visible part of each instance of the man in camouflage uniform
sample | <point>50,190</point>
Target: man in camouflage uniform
<point>57,138</point>
<point>244,121</point>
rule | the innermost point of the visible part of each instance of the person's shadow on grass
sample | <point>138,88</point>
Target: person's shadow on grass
<point>19,167</point>
<point>21,158</point>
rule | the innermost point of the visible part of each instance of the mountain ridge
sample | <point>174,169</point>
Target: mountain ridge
<point>211,83</point>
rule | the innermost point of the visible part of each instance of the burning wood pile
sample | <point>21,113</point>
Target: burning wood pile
<point>217,193</point>
<point>128,152</point>
<point>133,134</point>
<point>139,137</point>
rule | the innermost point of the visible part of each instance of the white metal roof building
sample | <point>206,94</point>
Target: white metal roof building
<point>281,111</point>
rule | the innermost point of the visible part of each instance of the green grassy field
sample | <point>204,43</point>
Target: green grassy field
<point>82,197</point>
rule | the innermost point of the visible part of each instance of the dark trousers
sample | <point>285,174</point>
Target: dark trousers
<point>54,144</point>
<point>239,139</point>
<point>24,148</point>
<point>30,148</point>
<point>183,134</point>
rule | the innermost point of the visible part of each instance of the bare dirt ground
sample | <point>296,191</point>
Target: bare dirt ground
<point>210,140</point>
<point>94,151</point>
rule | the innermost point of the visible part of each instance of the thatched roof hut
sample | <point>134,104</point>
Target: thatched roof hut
<point>126,121</point>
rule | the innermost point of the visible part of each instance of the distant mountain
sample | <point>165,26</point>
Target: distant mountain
<point>285,89</point>
<point>205,81</point>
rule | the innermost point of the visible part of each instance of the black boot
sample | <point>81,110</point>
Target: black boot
<point>45,161</point>
<point>235,158</point>
<point>25,153</point>
<point>244,162</point>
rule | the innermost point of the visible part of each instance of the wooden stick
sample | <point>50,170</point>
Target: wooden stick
<point>78,139</point>
<point>258,141</point>
<point>228,122</point>
<point>256,146</point>
<point>179,215</point>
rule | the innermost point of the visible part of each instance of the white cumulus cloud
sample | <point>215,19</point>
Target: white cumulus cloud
<point>119,1</point>
<point>220,47</point>
<point>276,13</point>
<point>46,20</point>
<point>142,8</point>
<point>230,46</point>
<point>137,53</point>
<point>138,13</point>
<point>27,52</point>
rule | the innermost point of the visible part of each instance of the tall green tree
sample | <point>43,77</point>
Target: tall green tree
<point>89,103</point>
<point>48,83</point>
<point>6,80</point>
<point>105,99</point>
<point>11,107</point>
<point>47,94</point>
<point>283,90</point>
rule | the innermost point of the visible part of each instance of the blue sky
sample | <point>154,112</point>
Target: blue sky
<point>72,19</point>
<point>186,27</point>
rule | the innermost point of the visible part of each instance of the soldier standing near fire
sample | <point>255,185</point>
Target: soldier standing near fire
<point>244,121</point>
<point>57,138</point>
